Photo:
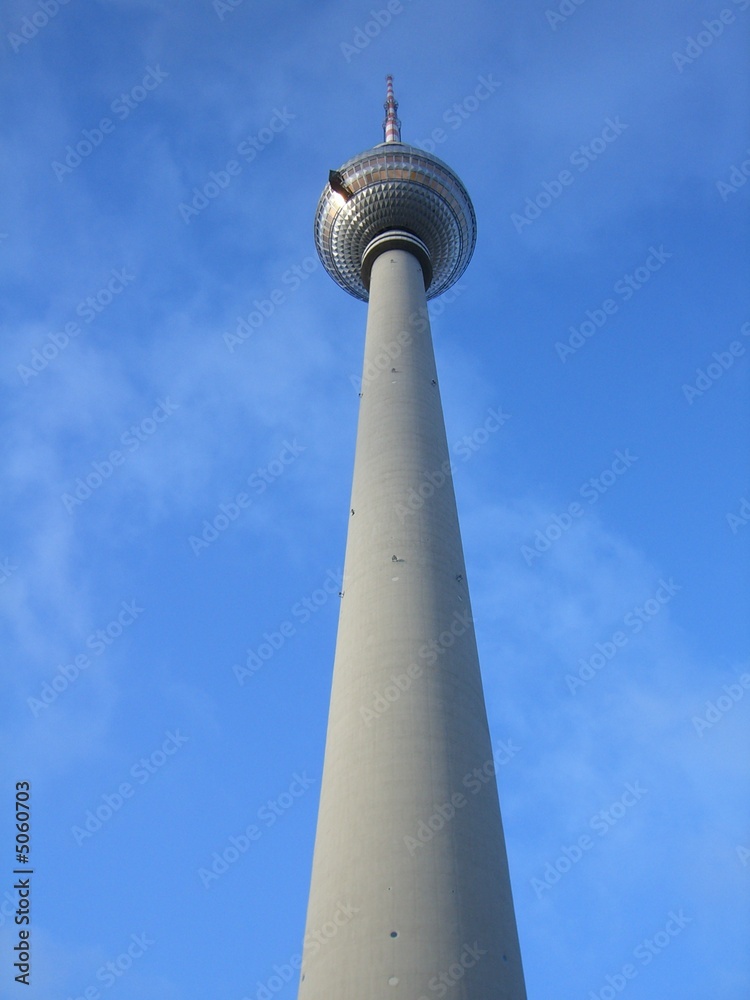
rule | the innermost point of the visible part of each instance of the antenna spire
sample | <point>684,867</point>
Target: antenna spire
<point>392,124</point>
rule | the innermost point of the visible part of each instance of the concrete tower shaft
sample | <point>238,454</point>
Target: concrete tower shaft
<point>410,894</point>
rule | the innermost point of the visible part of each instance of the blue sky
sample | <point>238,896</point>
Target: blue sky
<point>170,337</point>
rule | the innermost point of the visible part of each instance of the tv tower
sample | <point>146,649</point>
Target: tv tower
<point>410,895</point>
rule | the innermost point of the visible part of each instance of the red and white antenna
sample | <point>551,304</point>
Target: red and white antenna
<point>391,125</point>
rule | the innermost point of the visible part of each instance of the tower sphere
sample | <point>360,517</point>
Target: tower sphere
<point>395,186</point>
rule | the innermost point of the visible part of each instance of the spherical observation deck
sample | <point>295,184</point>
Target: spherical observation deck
<point>394,186</point>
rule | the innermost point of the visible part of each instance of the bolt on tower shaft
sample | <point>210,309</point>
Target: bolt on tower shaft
<point>410,885</point>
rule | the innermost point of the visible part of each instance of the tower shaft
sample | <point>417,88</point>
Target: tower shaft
<point>410,879</point>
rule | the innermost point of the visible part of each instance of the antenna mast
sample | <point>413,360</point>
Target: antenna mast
<point>392,124</point>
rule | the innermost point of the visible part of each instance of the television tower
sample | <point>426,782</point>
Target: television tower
<point>410,895</point>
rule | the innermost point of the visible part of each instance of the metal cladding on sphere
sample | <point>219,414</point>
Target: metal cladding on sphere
<point>394,186</point>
